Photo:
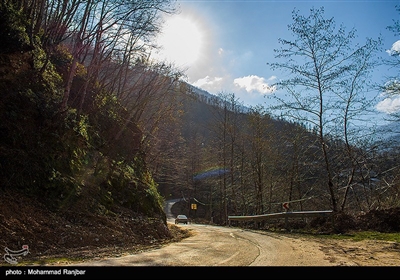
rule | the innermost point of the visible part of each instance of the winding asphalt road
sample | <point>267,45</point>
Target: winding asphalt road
<point>224,246</point>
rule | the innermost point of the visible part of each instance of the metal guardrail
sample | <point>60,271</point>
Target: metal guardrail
<point>285,215</point>
<point>288,214</point>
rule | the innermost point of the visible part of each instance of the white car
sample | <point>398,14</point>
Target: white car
<point>181,219</point>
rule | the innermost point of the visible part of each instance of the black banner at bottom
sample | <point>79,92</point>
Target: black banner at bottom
<point>185,272</point>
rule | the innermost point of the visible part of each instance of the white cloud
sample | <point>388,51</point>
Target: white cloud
<point>207,81</point>
<point>254,83</point>
<point>251,95</point>
<point>395,48</point>
<point>389,105</point>
<point>211,84</point>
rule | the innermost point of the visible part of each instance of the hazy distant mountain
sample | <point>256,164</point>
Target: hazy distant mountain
<point>210,98</point>
<point>389,133</point>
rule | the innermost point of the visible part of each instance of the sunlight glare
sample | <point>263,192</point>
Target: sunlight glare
<point>181,41</point>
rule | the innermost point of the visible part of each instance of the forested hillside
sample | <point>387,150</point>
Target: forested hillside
<point>77,108</point>
<point>241,161</point>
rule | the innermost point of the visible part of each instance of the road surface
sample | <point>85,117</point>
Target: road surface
<point>224,246</point>
<point>229,246</point>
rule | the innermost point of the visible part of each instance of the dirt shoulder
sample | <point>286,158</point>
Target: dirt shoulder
<point>326,251</point>
<point>361,253</point>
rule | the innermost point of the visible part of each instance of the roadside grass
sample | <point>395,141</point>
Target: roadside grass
<point>365,235</point>
<point>349,235</point>
<point>352,235</point>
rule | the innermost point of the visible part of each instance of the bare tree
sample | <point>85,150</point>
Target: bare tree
<point>391,88</point>
<point>115,26</point>
<point>76,52</point>
<point>387,157</point>
<point>323,63</point>
<point>226,128</point>
<point>259,156</point>
<point>354,104</point>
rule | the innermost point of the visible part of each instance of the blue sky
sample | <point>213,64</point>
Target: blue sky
<point>230,42</point>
